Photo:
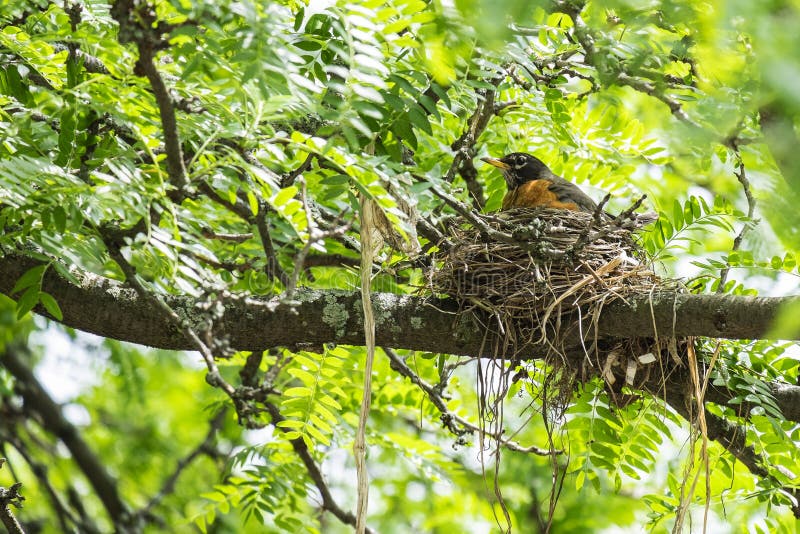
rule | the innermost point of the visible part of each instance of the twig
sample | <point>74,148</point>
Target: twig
<point>455,423</point>
<point>236,238</point>
<point>214,377</point>
<point>39,470</point>
<point>315,235</point>
<point>91,63</point>
<point>138,24</point>
<point>586,40</point>
<point>9,497</point>
<point>301,449</point>
<point>741,175</point>
<point>463,147</point>
<point>272,267</point>
<point>289,178</point>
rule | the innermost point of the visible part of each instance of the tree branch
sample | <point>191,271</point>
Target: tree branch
<point>9,497</point>
<point>38,401</point>
<point>111,309</point>
<point>301,449</point>
<point>457,425</point>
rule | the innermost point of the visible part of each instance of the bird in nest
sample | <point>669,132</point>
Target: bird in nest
<point>531,184</point>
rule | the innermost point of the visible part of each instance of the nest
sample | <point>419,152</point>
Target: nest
<point>536,275</point>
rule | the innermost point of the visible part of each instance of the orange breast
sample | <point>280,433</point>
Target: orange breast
<point>535,194</point>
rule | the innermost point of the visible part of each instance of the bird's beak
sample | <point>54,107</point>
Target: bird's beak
<point>496,163</point>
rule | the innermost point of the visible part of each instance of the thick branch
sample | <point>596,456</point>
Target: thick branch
<point>110,309</point>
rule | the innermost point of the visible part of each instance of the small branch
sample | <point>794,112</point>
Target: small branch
<point>169,123</point>
<point>456,424</point>
<point>289,178</point>
<point>367,210</point>
<point>464,146</point>
<point>649,88</point>
<point>741,175</point>
<point>9,497</point>
<point>91,63</point>
<point>208,233</point>
<point>138,23</point>
<point>272,267</point>
<point>586,40</point>
<point>39,470</point>
<point>330,260</point>
<point>214,377</point>
<point>301,449</point>
<point>315,235</point>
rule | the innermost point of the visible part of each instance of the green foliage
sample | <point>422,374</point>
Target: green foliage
<point>287,112</point>
<point>310,406</point>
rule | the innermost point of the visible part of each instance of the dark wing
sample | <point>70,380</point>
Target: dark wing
<point>568,192</point>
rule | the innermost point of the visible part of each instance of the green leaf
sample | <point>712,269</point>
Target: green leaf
<point>31,277</point>
<point>297,392</point>
<point>252,201</point>
<point>51,305</point>
<point>419,119</point>
<point>27,301</point>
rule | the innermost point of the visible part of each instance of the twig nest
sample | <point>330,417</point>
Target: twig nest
<point>533,263</point>
<point>527,269</point>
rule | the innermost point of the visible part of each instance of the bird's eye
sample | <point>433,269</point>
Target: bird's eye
<point>520,161</point>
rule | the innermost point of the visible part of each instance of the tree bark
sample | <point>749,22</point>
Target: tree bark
<point>108,308</point>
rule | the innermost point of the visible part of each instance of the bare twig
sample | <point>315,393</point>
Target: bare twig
<point>91,63</point>
<point>741,175</point>
<point>272,268</point>
<point>587,41</point>
<point>315,235</point>
<point>239,207</point>
<point>214,377</point>
<point>453,422</point>
<point>289,178</point>
<point>236,238</point>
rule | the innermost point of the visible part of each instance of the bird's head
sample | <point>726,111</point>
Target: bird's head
<point>519,167</point>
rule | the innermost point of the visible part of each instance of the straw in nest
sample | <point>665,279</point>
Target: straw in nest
<point>529,268</point>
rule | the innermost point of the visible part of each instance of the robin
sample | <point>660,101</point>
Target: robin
<point>531,184</point>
